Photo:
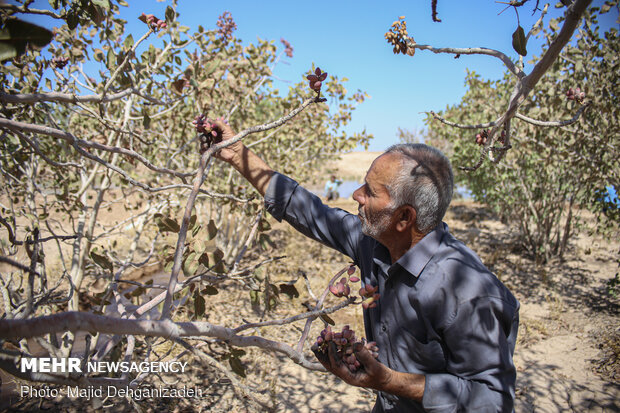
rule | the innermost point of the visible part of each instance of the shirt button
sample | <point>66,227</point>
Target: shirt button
<point>383,328</point>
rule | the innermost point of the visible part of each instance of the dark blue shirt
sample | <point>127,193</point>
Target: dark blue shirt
<point>442,313</point>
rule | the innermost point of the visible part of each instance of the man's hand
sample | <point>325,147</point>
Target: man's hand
<point>253,168</point>
<point>231,153</point>
<point>371,374</point>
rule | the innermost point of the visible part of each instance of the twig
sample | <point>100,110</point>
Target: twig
<point>16,264</point>
<point>36,149</point>
<point>473,50</point>
<point>69,137</point>
<point>178,254</point>
<point>238,387</point>
<point>129,55</point>
<point>557,123</point>
<point>308,315</point>
<point>319,304</point>
<point>23,9</point>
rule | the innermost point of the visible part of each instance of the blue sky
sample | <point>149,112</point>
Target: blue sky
<point>346,38</point>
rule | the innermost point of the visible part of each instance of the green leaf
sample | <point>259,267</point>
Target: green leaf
<point>111,60</point>
<point>264,225</point>
<point>98,55</point>
<point>138,292</point>
<point>166,224</point>
<point>199,305</point>
<point>254,298</point>
<point>237,367</point>
<point>327,319</point>
<point>95,13</point>
<point>519,42</point>
<point>102,3</point>
<point>170,15</point>
<point>237,352</point>
<point>211,230</point>
<point>211,66</point>
<point>102,261</point>
<point>128,43</point>
<point>146,120</point>
<point>17,35</point>
<point>178,85</point>
<point>190,264</point>
<point>209,290</point>
<point>204,259</point>
<point>289,290</point>
<point>218,257</point>
<point>192,221</point>
<point>72,19</point>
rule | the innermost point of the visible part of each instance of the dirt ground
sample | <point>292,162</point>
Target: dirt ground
<point>566,356</point>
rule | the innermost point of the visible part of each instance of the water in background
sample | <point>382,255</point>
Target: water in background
<point>345,190</point>
<point>348,187</point>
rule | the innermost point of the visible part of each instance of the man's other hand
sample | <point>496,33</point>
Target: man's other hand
<point>371,374</point>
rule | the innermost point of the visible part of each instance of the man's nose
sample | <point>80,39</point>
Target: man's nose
<point>357,195</point>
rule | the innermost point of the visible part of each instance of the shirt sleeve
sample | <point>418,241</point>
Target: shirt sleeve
<point>334,227</point>
<point>480,371</point>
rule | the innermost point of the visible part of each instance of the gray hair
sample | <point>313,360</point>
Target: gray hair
<point>425,182</point>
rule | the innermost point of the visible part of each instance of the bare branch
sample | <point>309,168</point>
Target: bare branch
<point>557,123</point>
<point>16,264</point>
<point>36,149</point>
<point>78,321</point>
<point>29,98</point>
<point>23,9</point>
<point>473,50</point>
<point>69,137</point>
<point>266,126</point>
<point>178,253</point>
<point>460,125</point>
<point>244,391</point>
<point>310,314</point>
<point>129,55</point>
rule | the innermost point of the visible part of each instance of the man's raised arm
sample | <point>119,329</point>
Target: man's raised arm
<point>250,165</point>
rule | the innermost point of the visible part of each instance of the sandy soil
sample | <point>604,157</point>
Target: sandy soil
<point>566,355</point>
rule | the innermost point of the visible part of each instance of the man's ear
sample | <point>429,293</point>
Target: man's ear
<point>406,218</point>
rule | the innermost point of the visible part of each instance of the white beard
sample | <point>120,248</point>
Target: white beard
<point>378,222</point>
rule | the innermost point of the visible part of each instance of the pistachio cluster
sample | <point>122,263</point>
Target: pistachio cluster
<point>207,129</point>
<point>316,79</point>
<point>344,341</point>
<point>60,62</point>
<point>482,137</point>
<point>369,296</point>
<point>397,36</point>
<point>368,292</point>
<point>153,22</point>
<point>226,25</point>
<point>576,94</point>
<point>288,49</point>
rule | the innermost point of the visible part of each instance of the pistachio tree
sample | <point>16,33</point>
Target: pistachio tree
<point>565,138</point>
<point>99,123</point>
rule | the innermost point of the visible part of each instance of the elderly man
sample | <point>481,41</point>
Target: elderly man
<point>445,326</point>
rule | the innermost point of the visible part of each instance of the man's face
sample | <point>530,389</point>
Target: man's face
<point>375,204</point>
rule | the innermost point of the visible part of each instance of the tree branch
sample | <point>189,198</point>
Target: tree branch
<point>472,50</point>
<point>79,321</point>
<point>557,123</point>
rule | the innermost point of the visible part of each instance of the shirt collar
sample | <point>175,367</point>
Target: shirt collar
<point>416,258</point>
